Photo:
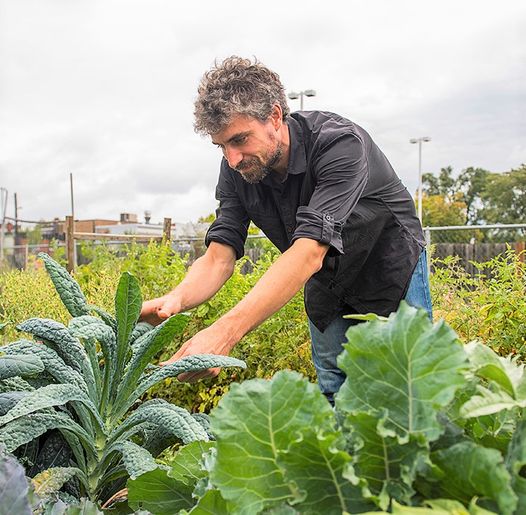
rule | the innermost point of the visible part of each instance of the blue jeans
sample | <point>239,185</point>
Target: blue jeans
<point>327,345</point>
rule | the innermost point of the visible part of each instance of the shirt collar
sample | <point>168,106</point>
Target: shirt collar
<point>297,158</point>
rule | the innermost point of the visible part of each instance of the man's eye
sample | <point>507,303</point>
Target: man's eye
<point>240,141</point>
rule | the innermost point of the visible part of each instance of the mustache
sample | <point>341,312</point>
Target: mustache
<point>246,163</point>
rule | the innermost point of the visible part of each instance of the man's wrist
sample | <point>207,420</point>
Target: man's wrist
<point>231,331</point>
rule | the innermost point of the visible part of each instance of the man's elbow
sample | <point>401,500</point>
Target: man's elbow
<point>314,253</point>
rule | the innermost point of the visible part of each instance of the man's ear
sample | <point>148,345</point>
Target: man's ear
<point>276,116</point>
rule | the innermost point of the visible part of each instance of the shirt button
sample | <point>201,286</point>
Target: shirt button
<point>328,218</point>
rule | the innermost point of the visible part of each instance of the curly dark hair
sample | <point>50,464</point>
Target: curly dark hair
<point>237,86</point>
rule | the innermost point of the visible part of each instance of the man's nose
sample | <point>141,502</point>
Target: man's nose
<point>233,156</point>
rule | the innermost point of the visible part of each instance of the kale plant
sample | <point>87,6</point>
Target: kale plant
<point>70,399</point>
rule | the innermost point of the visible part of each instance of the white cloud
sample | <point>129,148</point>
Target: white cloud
<point>104,89</point>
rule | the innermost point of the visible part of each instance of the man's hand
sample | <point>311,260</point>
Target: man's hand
<point>212,340</point>
<point>158,310</point>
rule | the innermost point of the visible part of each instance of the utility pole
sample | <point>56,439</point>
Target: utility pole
<point>72,223</point>
<point>16,219</point>
<point>3,206</point>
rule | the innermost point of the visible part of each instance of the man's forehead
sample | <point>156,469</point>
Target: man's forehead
<point>238,125</point>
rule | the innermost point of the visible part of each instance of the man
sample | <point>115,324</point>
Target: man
<point>323,192</point>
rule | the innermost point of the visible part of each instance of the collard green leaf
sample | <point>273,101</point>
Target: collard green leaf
<point>488,402</point>
<point>15,384</point>
<point>53,364</point>
<point>157,492</point>
<point>255,423</point>
<point>54,452</point>
<point>50,481</point>
<point>470,470</point>
<point>84,507</point>
<point>405,367</point>
<point>92,327</point>
<point>388,467</point>
<point>13,487</point>
<point>319,467</point>
<point>187,465</point>
<point>67,288</point>
<point>136,459</point>
<point>213,504</point>
<point>19,365</point>
<point>516,463</point>
<point>47,397</point>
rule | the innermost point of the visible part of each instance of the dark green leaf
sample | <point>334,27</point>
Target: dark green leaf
<point>67,288</point>
<point>19,365</point>
<point>128,302</point>
<point>136,459</point>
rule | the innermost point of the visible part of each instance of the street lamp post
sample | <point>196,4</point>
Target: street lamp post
<point>423,139</point>
<point>307,93</point>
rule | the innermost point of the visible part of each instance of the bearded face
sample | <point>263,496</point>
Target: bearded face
<point>254,169</point>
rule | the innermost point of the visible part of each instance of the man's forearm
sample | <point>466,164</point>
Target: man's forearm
<point>277,286</point>
<point>204,278</point>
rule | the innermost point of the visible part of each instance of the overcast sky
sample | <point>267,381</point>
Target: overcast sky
<point>104,89</point>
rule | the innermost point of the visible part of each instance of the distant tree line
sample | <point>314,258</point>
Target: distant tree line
<point>475,197</point>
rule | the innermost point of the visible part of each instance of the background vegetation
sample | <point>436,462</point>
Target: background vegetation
<point>490,306</point>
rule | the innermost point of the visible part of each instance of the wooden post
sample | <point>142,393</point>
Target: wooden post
<point>70,244</point>
<point>167,230</point>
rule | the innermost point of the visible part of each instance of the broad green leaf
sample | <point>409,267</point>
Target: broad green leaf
<point>13,487</point>
<point>255,423</point>
<point>405,367</point>
<point>49,396</point>
<point>210,504</point>
<point>470,470</point>
<point>157,492</point>
<point>515,463</point>
<point>22,430</point>
<point>128,302</point>
<point>187,465</point>
<point>187,364</point>
<point>85,507</point>
<point>136,459</point>
<point>67,288</point>
<point>57,336</point>
<point>488,402</point>
<point>388,467</point>
<point>319,467</point>
<point>53,364</point>
<point>366,318</point>
<point>146,347</point>
<point>506,372</point>
<point>19,365</point>
<point>51,480</point>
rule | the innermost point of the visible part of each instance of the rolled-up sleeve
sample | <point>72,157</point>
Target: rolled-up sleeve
<point>341,174</point>
<point>231,224</point>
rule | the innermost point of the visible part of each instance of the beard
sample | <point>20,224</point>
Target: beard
<point>254,169</point>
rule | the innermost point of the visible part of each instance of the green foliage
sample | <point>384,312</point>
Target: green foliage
<point>68,386</point>
<point>490,306</point>
<point>402,438</point>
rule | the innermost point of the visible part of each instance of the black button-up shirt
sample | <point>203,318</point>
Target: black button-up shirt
<point>339,190</point>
